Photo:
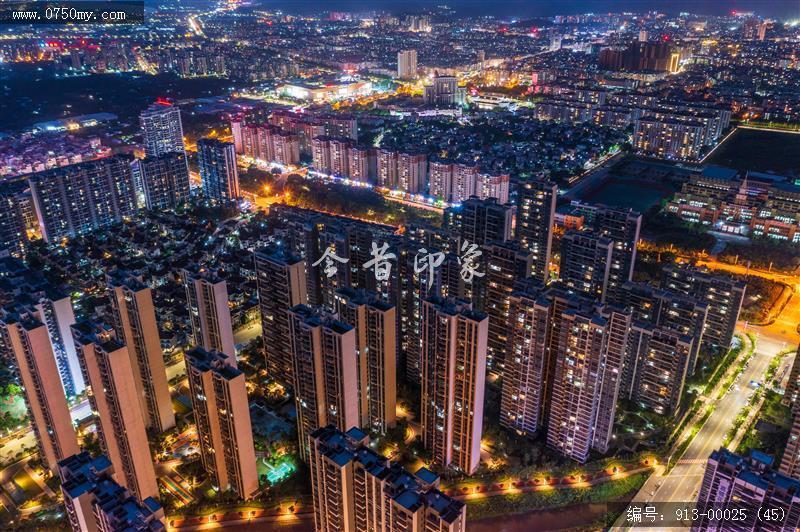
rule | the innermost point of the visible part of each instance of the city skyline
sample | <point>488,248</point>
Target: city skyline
<point>784,9</point>
<point>360,266</point>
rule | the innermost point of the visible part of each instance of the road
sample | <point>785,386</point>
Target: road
<point>683,482</point>
<point>24,438</point>
<point>290,516</point>
<point>597,174</point>
<point>785,326</point>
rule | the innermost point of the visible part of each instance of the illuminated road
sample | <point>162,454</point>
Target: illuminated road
<point>415,204</point>
<point>475,490</point>
<point>290,516</point>
<point>773,129</point>
<point>785,327</point>
<point>683,482</point>
<point>24,438</point>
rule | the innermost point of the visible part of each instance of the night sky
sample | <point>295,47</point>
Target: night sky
<point>782,9</point>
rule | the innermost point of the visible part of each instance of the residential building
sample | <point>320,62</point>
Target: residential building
<point>331,155</point>
<point>792,392</point>
<point>622,227</point>
<point>590,344</point>
<point>165,180</point>
<point>659,365</point>
<point>13,232</point>
<point>325,372</point>
<point>25,338</point>
<point>115,403</point>
<point>723,295</point>
<point>76,199</point>
<point>507,263</point>
<point>387,168</point>
<point>134,320</point>
<point>790,462</point>
<point>669,139</point>
<point>354,488</point>
<point>321,154</point>
<point>281,282</point>
<point>586,263</point>
<point>666,308</point>
<point>407,64</point>
<point>375,324</point>
<point>218,171</point>
<point>162,130</point>
<point>267,143</point>
<point>747,484</point>
<point>479,221</point>
<point>465,178</point>
<point>527,371</point>
<point>54,309</point>
<point>340,156</point>
<point>94,501</point>
<point>440,180</point>
<point>286,148</point>
<point>412,172</point>
<point>363,164</point>
<point>536,207</point>
<point>454,342</point>
<point>639,55</point>
<point>457,182</point>
<point>209,311</point>
<point>496,186</point>
<point>222,416</point>
<point>414,286</point>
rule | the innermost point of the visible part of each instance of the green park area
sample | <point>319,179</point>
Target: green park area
<point>12,407</point>
<point>770,431</point>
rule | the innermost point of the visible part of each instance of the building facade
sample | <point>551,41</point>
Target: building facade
<point>747,484</point>
<point>218,171</point>
<point>134,320</point>
<point>590,346</point>
<point>94,501</point>
<point>209,312</point>
<point>325,372</point>
<point>76,199</point>
<point>375,324</point>
<point>454,340</point>
<point>165,180</point>
<point>281,282</point>
<point>222,416</point>
<point>356,489</point>
<point>115,401</point>
<point>25,338</point>
<point>162,130</point>
<point>536,207</point>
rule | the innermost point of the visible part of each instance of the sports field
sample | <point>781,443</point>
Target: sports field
<point>759,150</point>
